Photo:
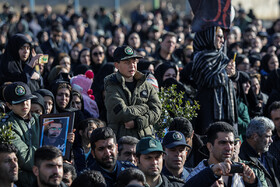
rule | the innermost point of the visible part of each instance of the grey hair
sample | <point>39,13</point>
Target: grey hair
<point>126,140</point>
<point>259,125</point>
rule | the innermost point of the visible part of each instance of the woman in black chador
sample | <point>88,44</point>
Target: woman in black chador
<point>215,90</point>
<point>18,62</point>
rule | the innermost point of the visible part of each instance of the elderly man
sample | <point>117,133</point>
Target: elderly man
<point>255,149</point>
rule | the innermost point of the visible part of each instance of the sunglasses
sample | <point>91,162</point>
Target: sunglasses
<point>98,53</point>
<point>55,128</point>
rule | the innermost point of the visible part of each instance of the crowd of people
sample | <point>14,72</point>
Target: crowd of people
<point>108,77</point>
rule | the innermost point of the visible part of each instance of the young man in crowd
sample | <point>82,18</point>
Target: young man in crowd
<point>149,153</point>
<point>8,165</point>
<point>48,167</point>
<point>175,146</point>
<point>220,144</point>
<point>25,128</point>
<point>274,112</point>
<point>133,106</point>
<point>104,150</point>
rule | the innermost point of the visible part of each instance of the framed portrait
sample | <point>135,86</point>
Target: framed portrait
<point>54,131</point>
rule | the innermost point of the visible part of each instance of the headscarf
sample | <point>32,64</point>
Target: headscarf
<point>45,92</point>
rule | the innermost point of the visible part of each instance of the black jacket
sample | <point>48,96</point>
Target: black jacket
<point>248,153</point>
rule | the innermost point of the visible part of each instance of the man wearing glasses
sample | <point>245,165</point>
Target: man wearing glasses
<point>52,135</point>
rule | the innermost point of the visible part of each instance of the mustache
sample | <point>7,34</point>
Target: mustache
<point>55,175</point>
<point>108,157</point>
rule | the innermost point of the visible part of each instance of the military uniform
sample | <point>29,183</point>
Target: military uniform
<point>27,134</point>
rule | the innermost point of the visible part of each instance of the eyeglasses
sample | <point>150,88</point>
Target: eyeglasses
<point>97,53</point>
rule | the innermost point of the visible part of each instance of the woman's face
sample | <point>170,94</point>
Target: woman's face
<point>273,63</point>
<point>66,63</point>
<point>98,55</point>
<point>246,86</point>
<point>62,97</point>
<point>219,39</point>
<point>85,58</point>
<point>134,41</point>
<point>170,73</point>
<point>48,104</point>
<point>24,52</point>
<point>76,102</point>
<point>75,53</point>
<point>255,85</point>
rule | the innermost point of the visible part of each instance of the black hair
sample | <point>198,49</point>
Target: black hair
<point>168,34</point>
<point>215,128</point>
<point>101,134</point>
<point>89,178</point>
<point>84,124</point>
<point>128,175</point>
<point>274,106</point>
<point>46,153</point>
<point>8,148</point>
<point>69,168</point>
<point>130,140</point>
<point>182,125</point>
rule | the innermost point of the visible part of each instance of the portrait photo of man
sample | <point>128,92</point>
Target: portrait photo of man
<point>55,133</point>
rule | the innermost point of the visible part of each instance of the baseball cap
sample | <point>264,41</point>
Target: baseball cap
<point>125,52</point>
<point>173,139</point>
<point>17,92</point>
<point>147,145</point>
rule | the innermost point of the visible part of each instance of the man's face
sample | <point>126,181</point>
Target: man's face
<point>8,167</point>
<point>275,117</point>
<point>128,67</point>
<point>50,172</point>
<point>55,130</point>
<point>223,147</point>
<point>151,163</point>
<point>263,142</point>
<point>175,157</point>
<point>128,154</point>
<point>168,44</point>
<point>56,36</point>
<point>105,153</point>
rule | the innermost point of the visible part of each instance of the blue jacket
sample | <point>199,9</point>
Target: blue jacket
<point>111,178</point>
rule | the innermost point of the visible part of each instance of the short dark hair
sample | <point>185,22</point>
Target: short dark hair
<point>128,175</point>
<point>182,125</point>
<point>101,134</point>
<point>274,106</point>
<point>46,153</point>
<point>57,28</point>
<point>89,178</point>
<point>215,128</point>
<point>130,140</point>
<point>168,34</point>
<point>69,168</point>
<point>8,148</point>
